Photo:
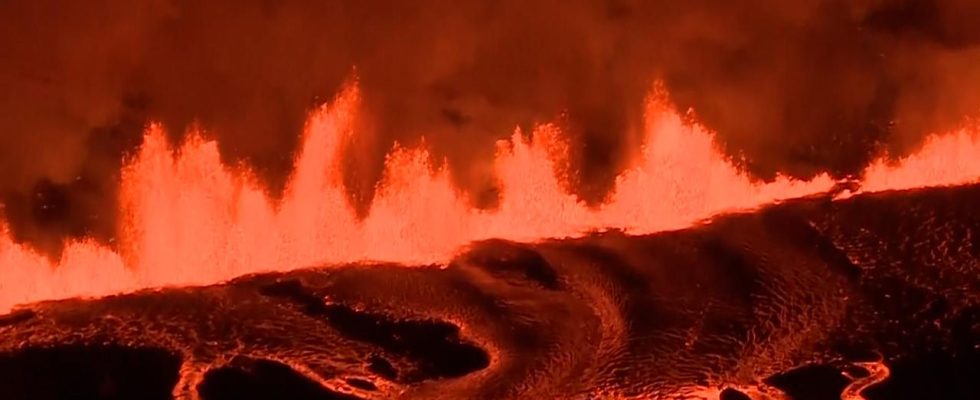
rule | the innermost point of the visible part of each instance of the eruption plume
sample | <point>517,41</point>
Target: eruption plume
<point>790,88</point>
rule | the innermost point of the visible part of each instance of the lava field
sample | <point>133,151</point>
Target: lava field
<point>877,295</point>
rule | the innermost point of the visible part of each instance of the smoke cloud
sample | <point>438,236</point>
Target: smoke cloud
<point>792,87</point>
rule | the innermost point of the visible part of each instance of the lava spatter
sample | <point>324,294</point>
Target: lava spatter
<point>188,219</point>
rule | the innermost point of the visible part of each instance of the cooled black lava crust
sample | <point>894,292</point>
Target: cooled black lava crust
<point>783,299</point>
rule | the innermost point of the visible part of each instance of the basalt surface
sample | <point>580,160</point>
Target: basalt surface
<point>808,299</point>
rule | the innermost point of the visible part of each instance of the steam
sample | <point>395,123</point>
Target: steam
<point>792,87</point>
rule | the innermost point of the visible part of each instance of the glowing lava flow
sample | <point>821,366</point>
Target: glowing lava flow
<point>189,220</point>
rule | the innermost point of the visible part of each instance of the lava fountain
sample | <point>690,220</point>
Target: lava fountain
<point>190,220</point>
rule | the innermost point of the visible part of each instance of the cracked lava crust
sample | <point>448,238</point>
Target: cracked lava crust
<point>807,299</point>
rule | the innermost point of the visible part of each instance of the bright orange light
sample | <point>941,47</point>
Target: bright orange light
<point>189,220</point>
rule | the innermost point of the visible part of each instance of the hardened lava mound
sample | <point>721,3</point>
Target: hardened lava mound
<point>877,296</point>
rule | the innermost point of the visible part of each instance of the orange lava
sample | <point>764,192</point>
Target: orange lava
<point>190,220</point>
<point>877,372</point>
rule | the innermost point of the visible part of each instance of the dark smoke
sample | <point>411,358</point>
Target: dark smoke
<point>796,87</point>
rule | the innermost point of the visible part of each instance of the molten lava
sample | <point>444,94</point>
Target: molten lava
<point>190,220</point>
